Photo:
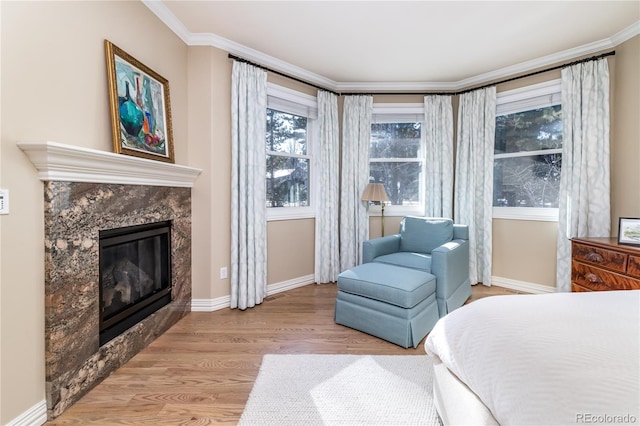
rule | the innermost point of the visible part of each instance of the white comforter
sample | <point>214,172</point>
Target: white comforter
<point>563,358</point>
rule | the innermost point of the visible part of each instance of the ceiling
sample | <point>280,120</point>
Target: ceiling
<point>403,44</point>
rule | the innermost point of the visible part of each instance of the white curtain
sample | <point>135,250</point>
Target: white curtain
<point>248,197</point>
<point>438,131</point>
<point>354,221</point>
<point>584,205</point>
<point>474,177</point>
<point>327,245</point>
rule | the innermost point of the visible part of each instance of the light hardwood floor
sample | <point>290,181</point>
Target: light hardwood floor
<point>201,371</point>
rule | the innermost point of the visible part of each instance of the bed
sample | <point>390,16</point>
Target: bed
<point>562,358</point>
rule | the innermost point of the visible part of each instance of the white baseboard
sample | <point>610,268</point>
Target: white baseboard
<point>521,285</point>
<point>210,305</point>
<point>290,284</point>
<point>37,415</point>
<point>34,416</point>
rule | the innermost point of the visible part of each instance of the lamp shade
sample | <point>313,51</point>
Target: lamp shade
<point>375,192</point>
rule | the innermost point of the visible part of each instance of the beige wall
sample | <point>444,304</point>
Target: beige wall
<point>525,251</point>
<point>210,150</point>
<point>290,243</point>
<point>290,249</point>
<point>209,124</point>
<point>53,85</point>
<point>531,257</point>
<point>625,133</point>
<point>54,88</point>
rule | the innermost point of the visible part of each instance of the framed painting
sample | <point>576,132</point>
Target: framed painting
<point>140,107</point>
<point>629,230</point>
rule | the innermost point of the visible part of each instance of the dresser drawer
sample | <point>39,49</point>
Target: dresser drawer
<point>578,288</point>
<point>600,257</point>
<point>599,279</point>
<point>633,268</point>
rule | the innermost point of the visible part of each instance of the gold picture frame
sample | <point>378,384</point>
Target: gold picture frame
<point>140,107</point>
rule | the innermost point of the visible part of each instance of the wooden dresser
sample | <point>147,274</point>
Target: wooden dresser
<point>603,264</point>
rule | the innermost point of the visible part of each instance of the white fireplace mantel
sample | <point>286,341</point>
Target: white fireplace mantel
<point>59,162</point>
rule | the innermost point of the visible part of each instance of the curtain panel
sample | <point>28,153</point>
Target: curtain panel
<point>248,192</point>
<point>584,205</point>
<point>327,156</point>
<point>354,221</point>
<point>438,129</point>
<point>474,177</point>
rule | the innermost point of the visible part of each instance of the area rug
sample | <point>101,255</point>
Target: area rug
<point>342,390</point>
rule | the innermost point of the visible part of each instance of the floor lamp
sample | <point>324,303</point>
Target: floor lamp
<point>375,193</point>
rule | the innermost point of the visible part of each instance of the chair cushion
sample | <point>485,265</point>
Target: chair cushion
<point>421,261</point>
<point>387,283</point>
<point>423,234</point>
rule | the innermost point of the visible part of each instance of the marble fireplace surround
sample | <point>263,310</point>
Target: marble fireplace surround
<point>86,191</point>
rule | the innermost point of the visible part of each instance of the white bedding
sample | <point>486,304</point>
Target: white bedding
<point>562,358</point>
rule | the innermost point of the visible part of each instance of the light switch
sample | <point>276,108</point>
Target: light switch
<point>4,201</point>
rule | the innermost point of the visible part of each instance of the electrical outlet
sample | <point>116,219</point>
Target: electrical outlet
<point>223,272</point>
<point>4,201</point>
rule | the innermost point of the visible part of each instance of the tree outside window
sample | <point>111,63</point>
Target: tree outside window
<point>395,157</point>
<point>528,158</point>
<point>287,159</point>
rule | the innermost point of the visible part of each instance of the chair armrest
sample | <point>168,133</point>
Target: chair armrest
<point>450,265</point>
<point>380,246</point>
<point>460,232</point>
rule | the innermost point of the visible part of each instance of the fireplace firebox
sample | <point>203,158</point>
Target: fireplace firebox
<point>135,275</point>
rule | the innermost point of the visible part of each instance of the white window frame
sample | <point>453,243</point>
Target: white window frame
<point>525,99</point>
<point>401,113</point>
<point>293,102</point>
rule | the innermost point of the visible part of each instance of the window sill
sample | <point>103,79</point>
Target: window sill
<point>290,213</point>
<point>395,211</point>
<point>526,213</point>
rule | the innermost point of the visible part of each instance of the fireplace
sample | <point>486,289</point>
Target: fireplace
<point>87,191</point>
<point>135,275</point>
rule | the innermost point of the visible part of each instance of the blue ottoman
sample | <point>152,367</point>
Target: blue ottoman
<point>390,302</point>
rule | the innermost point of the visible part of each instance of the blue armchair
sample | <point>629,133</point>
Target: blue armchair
<point>433,245</point>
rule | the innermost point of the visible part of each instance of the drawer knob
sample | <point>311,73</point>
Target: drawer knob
<point>594,257</point>
<point>593,278</point>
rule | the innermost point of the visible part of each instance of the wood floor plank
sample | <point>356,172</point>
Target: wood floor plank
<point>201,371</point>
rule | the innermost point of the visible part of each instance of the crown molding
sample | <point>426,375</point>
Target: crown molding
<point>521,68</point>
<point>395,86</point>
<point>59,162</point>
<point>208,39</point>
<point>528,66</point>
<point>626,34</point>
<point>168,18</point>
<point>213,40</point>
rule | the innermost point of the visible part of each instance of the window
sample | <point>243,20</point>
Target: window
<point>287,160</point>
<point>396,155</point>
<point>528,153</point>
<point>288,147</point>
